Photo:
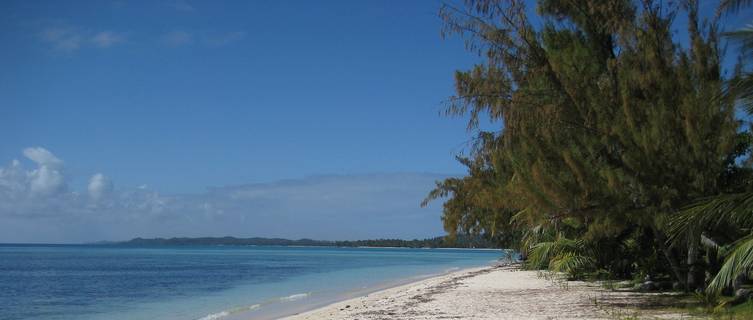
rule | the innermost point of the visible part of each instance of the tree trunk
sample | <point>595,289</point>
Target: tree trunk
<point>693,244</point>
<point>739,281</point>
<point>676,270</point>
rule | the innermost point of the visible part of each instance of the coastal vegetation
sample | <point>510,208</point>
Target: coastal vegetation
<point>620,147</point>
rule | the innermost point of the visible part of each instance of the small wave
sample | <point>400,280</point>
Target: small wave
<point>294,297</point>
<point>246,308</point>
<point>452,269</point>
<point>222,314</point>
<point>215,316</point>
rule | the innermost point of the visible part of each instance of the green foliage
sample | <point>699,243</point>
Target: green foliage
<point>708,300</point>
<point>571,257</point>
<point>742,311</point>
<point>738,262</point>
<point>618,151</point>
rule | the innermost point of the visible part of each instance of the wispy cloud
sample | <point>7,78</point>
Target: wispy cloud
<point>64,39</point>
<point>70,39</point>
<point>182,5</point>
<point>323,207</point>
<point>106,39</point>
<point>217,40</point>
<point>177,38</point>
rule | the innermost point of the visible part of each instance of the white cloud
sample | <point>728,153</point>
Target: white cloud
<point>13,179</point>
<point>99,186</point>
<point>43,157</point>
<point>322,207</point>
<point>106,39</point>
<point>47,179</point>
<point>177,38</point>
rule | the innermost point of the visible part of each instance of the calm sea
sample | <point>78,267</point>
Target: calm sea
<point>107,282</point>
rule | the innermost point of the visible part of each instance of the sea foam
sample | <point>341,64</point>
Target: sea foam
<point>294,297</point>
<point>219,315</point>
<point>215,316</point>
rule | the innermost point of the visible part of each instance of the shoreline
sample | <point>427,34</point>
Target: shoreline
<point>281,311</point>
<point>491,292</point>
<point>344,298</point>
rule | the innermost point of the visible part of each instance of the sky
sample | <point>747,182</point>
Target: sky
<point>293,119</point>
<point>145,118</point>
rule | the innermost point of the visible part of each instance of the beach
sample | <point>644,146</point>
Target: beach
<point>496,292</point>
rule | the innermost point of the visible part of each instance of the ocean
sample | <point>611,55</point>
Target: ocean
<point>90,282</point>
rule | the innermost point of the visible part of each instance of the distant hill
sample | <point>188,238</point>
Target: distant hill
<point>437,242</point>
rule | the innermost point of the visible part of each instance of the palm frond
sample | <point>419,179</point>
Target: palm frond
<point>572,263</point>
<point>540,255</point>
<point>733,6</point>
<point>744,36</point>
<point>740,261</point>
<point>736,209</point>
<point>741,88</point>
<point>571,256</point>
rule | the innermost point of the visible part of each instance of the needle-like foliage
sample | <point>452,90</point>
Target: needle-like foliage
<point>616,138</point>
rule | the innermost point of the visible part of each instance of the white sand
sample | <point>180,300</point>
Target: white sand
<point>493,293</point>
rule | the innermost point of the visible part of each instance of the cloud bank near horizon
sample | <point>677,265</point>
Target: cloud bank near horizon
<point>38,205</point>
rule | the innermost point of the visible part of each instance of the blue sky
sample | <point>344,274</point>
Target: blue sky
<point>246,118</point>
<point>146,106</point>
<point>184,95</point>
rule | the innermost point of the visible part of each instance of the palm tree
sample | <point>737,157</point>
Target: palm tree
<point>727,223</point>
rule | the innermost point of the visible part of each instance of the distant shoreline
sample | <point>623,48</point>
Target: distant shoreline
<point>460,242</point>
<point>125,245</point>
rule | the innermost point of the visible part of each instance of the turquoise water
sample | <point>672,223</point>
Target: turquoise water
<point>107,282</point>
